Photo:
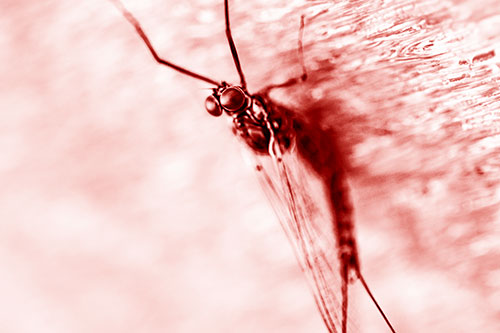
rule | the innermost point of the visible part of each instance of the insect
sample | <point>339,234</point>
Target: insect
<point>324,242</point>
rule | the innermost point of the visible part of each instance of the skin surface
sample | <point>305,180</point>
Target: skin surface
<point>125,207</point>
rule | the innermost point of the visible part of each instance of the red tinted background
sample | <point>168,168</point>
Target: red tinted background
<point>124,207</point>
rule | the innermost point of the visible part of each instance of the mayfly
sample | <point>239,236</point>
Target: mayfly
<point>325,245</point>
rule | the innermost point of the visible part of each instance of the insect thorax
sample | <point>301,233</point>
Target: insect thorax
<point>260,124</point>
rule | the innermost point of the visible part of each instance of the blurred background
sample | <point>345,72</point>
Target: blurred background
<point>125,207</point>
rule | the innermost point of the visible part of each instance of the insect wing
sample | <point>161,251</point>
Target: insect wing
<point>299,200</point>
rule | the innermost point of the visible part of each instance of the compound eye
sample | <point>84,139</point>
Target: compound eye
<point>212,106</point>
<point>233,99</point>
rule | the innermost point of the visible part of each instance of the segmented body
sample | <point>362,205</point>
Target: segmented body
<point>271,129</point>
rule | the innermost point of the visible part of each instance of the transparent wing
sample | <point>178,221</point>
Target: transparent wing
<point>299,199</point>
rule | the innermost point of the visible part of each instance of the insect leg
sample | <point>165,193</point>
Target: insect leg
<point>128,15</point>
<point>300,51</point>
<point>229,36</point>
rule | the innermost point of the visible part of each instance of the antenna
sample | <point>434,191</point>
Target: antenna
<point>128,15</point>
<point>233,47</point>
<point>365,285</point>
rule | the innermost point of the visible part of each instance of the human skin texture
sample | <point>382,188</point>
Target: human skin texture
<point>125,207</point>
